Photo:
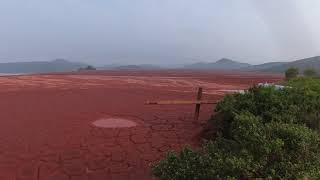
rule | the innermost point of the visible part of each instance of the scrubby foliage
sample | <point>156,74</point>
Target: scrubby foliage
<point>291,73</point>
<point>312,84</point>
<point>310,72</point>
<point>292,105</point>
<point>264,134</point>
<point>188,164</point>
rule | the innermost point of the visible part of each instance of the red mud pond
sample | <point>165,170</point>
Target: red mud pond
<point>95,125</point>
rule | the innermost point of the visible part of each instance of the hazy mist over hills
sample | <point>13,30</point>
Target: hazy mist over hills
<point>158,32</point>
<point>61,65</point>
<point>312,62</point>
<point>146,34</point>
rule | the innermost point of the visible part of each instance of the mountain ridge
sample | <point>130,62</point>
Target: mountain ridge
<point>223,64</point>
<point>61,65</point>
<point>301,64</point>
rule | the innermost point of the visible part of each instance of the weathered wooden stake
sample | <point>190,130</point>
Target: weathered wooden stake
<point>197,102</point>
<point>197,111</point>
<point>180,102</point>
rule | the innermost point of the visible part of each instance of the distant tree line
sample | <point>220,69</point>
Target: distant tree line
<point>87,68</point>
<point>293,72</point>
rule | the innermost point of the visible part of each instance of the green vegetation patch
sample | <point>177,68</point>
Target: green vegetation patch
<point>262,134</point>
<point>310,83</point>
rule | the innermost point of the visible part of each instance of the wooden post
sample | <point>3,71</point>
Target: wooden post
<point>197,111</point>
<point>197,102</point>
<point>181,102</point>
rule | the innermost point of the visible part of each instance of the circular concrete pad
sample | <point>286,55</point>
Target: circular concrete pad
<point>114,123</point>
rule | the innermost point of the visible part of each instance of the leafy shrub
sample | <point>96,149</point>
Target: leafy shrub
<point>312,84</point>
<point>310,72</point>
<point>188,164</point>
<point>291,73</point>
<point>291,105</point>
<point>264,134</point>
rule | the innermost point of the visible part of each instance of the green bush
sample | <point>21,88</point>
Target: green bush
<point>291,105</point>
<point>188,164</point>
<point>312,84</point>
<point>291,73</point>
<point>264,134</point>
<point>310,72</point>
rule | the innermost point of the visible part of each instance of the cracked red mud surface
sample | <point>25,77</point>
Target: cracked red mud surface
<point>46,130</point>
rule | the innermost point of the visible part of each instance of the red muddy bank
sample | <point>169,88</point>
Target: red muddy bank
<point>47,120</point>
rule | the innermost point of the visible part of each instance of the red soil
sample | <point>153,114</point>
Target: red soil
<point>46,127</point>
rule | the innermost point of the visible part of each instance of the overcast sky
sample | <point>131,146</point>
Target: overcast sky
<point>159,31</point>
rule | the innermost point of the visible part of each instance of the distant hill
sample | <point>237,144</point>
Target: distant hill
<point>58,65</point>
<point>264,67</point>
<point>222,64</point>
<point>312,62</point>
<point>61,65</point>
<point>130,67</point>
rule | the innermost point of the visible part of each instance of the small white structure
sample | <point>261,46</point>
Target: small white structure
<point>277,87</point>
<point>241,91</point>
